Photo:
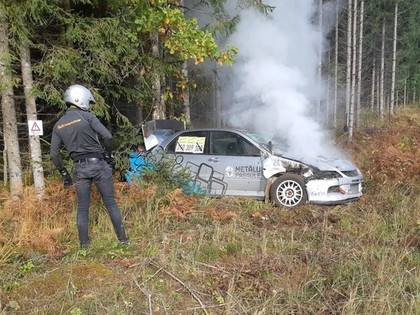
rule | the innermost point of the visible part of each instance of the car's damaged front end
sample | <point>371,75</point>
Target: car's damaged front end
<point>336,184</point>
<point>328,181</point>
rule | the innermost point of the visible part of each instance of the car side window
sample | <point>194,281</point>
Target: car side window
<point>194,142</point>
<point>232,144</point>
<point>250,149</point>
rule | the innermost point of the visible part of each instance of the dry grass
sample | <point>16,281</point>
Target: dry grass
<point>394,152</point>
<point>36,225</point>
<point>194,255</point>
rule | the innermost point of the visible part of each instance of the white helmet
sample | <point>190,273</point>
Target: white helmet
<point>79,96</point>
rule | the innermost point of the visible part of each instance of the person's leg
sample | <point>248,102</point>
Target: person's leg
<point>105,184</point>
<point>83,190</point>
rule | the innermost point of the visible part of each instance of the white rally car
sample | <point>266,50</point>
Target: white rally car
<point>241,163</point>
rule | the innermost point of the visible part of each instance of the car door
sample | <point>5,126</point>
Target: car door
<point>191,151</point>
<point>236,164</point>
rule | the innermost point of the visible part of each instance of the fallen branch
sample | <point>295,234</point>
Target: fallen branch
<point>147,294</point>
<point>203,307</point>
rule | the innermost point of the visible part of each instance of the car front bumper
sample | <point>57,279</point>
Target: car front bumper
<point>334,191</point>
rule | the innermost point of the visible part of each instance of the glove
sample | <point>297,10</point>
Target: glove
<point>109,158</point>
<point>67,181</point>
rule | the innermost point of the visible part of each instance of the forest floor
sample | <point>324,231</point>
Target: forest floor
<point>198,255</point>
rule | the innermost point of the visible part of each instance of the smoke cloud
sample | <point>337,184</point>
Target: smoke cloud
<point>274,87</point>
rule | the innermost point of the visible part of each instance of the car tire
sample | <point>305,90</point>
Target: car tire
<point>288,191</point>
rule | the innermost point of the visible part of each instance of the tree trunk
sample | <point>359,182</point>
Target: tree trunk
<point>34,141</point>
<point>348,67</point>
<point>394,61</point>
<point>5,168</point>
<point>186,91</point>
<point>186,94</point>
<point>353,72</point>
<point>217,98</point>
<point>359,71</point>
<point>382,79</point>
<point>66,5</point>
<point>372,96</point>
<point>320,52</point>
<point>378,90</point>
<point>336,69</point>
<point>158,104</point>
<point>9,113</point>
<point>328,96</point>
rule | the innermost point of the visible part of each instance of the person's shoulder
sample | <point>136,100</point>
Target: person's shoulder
<point>85,113</point>
<point>87,116</point>
<point>59,121</point>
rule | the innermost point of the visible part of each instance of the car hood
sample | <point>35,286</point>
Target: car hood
<point>324,163</point>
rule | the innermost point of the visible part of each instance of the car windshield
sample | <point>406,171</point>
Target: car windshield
<point>275,145</point>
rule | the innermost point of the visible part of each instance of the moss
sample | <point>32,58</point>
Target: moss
<point>66,283</point>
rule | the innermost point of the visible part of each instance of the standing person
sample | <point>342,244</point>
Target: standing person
<point>78,130</point>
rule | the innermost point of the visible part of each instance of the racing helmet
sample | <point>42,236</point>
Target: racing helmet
<point>79,96</point>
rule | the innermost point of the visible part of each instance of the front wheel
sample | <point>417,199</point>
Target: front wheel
<point>288,191</point>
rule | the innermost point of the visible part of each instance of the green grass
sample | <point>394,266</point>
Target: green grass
<point>359,258</point>
<point>349,259</point>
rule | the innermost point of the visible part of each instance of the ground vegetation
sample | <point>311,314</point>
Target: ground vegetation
<point>196,255</point>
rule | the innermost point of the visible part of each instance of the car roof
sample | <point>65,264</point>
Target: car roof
<point>235,130</point>
<point>164,140</point>
<point>216,129</point>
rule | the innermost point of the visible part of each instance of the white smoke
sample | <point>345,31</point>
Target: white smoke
<point>274,87</point>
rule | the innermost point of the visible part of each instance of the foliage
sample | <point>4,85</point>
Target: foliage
<point>125,138</point>
<point>108,49</point>
<point>180,40</point>
<point>409,44</point>
<point>180,36</point>
<point>75,46</point>
<point>166,172</point>
<point>107,61</point>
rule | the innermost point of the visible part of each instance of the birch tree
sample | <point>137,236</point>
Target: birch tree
<point>373,87</point>
<point>336,67</point>
<point>394,60</point>
<point>10,132</point>
<point>382,75</point>
<point>353,70</point>
<point>31,112</point>
<point>186,89</point>
<point>349,51</point>
<point>320,56</point>
<point>158,104</point>
<point>26,15</point>
<point>359,71</point>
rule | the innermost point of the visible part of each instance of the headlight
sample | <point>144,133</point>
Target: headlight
<point>353,173</point>
<point>328,175</point>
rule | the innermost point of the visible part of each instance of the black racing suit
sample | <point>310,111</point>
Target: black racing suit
<point>79,131</point>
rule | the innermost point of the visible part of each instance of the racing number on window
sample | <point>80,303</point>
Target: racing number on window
<point>187,144</point>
